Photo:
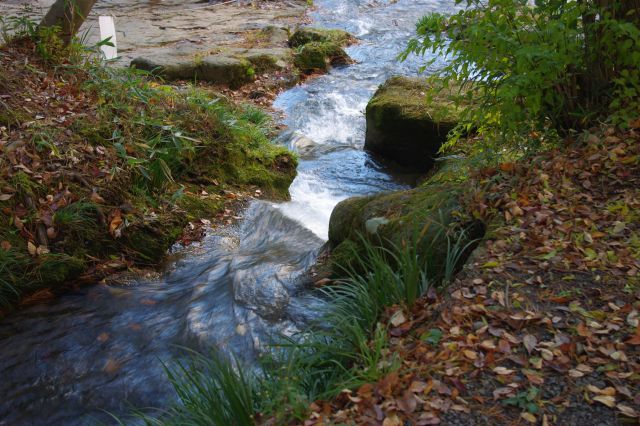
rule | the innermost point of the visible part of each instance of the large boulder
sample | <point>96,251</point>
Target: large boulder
<point>406,129</point>
<point>429,215</point>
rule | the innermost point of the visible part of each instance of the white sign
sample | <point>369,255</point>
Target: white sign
<point>108,29</point>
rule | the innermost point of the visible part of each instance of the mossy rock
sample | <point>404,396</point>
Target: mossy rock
<point>275,36</point>
<point>266,60</point>
<point>403,126</point>
<point>428,215</point>
<point>272,169</point>
<point>220,69</point>
<point>230,71</point>
<point>319,56</point>
<point>304,36</point>
<point>168,66</point>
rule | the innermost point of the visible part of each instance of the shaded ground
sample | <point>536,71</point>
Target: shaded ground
<point>542,325</point>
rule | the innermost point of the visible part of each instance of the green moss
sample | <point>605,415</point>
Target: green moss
<point>317,56</point>
<point>14,264</point>
<point>344,257</point>
<point>12,118</point>
<point>58,268</point>
<point>147,243</point>
<point>412,98</point>
<point>24,185</point>
<point>304,36</point>
<point>199,207</point>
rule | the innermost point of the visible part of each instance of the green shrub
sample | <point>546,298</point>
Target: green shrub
<point>533,70</point>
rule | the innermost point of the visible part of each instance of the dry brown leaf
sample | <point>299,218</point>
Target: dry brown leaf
<point>470,354</point>
<point>530,342</point>
<point>503,371</point>
<point>609,401</point>
<point>627,411</point>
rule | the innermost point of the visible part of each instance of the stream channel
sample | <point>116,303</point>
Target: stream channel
<point>103,347</point>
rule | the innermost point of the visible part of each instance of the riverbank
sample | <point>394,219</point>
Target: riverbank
<point>103,170</point>
<point>541,326</point>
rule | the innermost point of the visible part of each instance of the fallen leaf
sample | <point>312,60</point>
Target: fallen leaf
<point>102,337</point>
<point>392,420</point>
<point>530,342</point>
<point>627,411</point>
<point>96,198</point>
<point>470,354</point>
<point>397,319</point>
<point>609,401</point>
<point>503,371</point>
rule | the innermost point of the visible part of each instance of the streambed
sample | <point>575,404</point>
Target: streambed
<point>102,347</point>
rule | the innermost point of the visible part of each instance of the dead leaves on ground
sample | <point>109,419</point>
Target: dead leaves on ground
<point>545,322</point>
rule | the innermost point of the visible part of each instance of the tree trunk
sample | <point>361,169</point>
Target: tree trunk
<point>68,15</point>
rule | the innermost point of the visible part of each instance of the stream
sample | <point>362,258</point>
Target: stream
<point>103,347</point>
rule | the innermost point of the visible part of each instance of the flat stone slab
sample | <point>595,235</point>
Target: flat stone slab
<point>232,66</point>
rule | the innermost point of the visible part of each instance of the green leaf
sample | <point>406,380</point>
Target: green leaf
<point>432,336</point>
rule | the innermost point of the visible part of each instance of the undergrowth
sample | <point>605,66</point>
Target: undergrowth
<point>106,166</point>
<point>344,348</point>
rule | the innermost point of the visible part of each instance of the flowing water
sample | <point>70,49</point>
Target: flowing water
<point>103,347</point>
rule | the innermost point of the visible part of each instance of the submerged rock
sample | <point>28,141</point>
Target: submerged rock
<point>261,289</point>
<point>406,129</point>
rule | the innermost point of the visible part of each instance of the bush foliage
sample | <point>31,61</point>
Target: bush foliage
<point>537,67</point>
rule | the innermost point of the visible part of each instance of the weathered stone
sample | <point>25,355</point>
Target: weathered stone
<point>167,65</point>
<point>268,59</point>
<point>226,70</point>
<point>276,36</point>
<point>406,129</point>
<point>233,68</point>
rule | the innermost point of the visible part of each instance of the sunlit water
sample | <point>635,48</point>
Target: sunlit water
<point>103,347</point>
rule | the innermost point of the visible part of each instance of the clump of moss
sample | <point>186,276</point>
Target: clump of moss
<point>197,207</point>
<point>411,97</point>
<point>304,36</point>
<point>58,268</point>
<point>147,242</point>
<point>318,56</point>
